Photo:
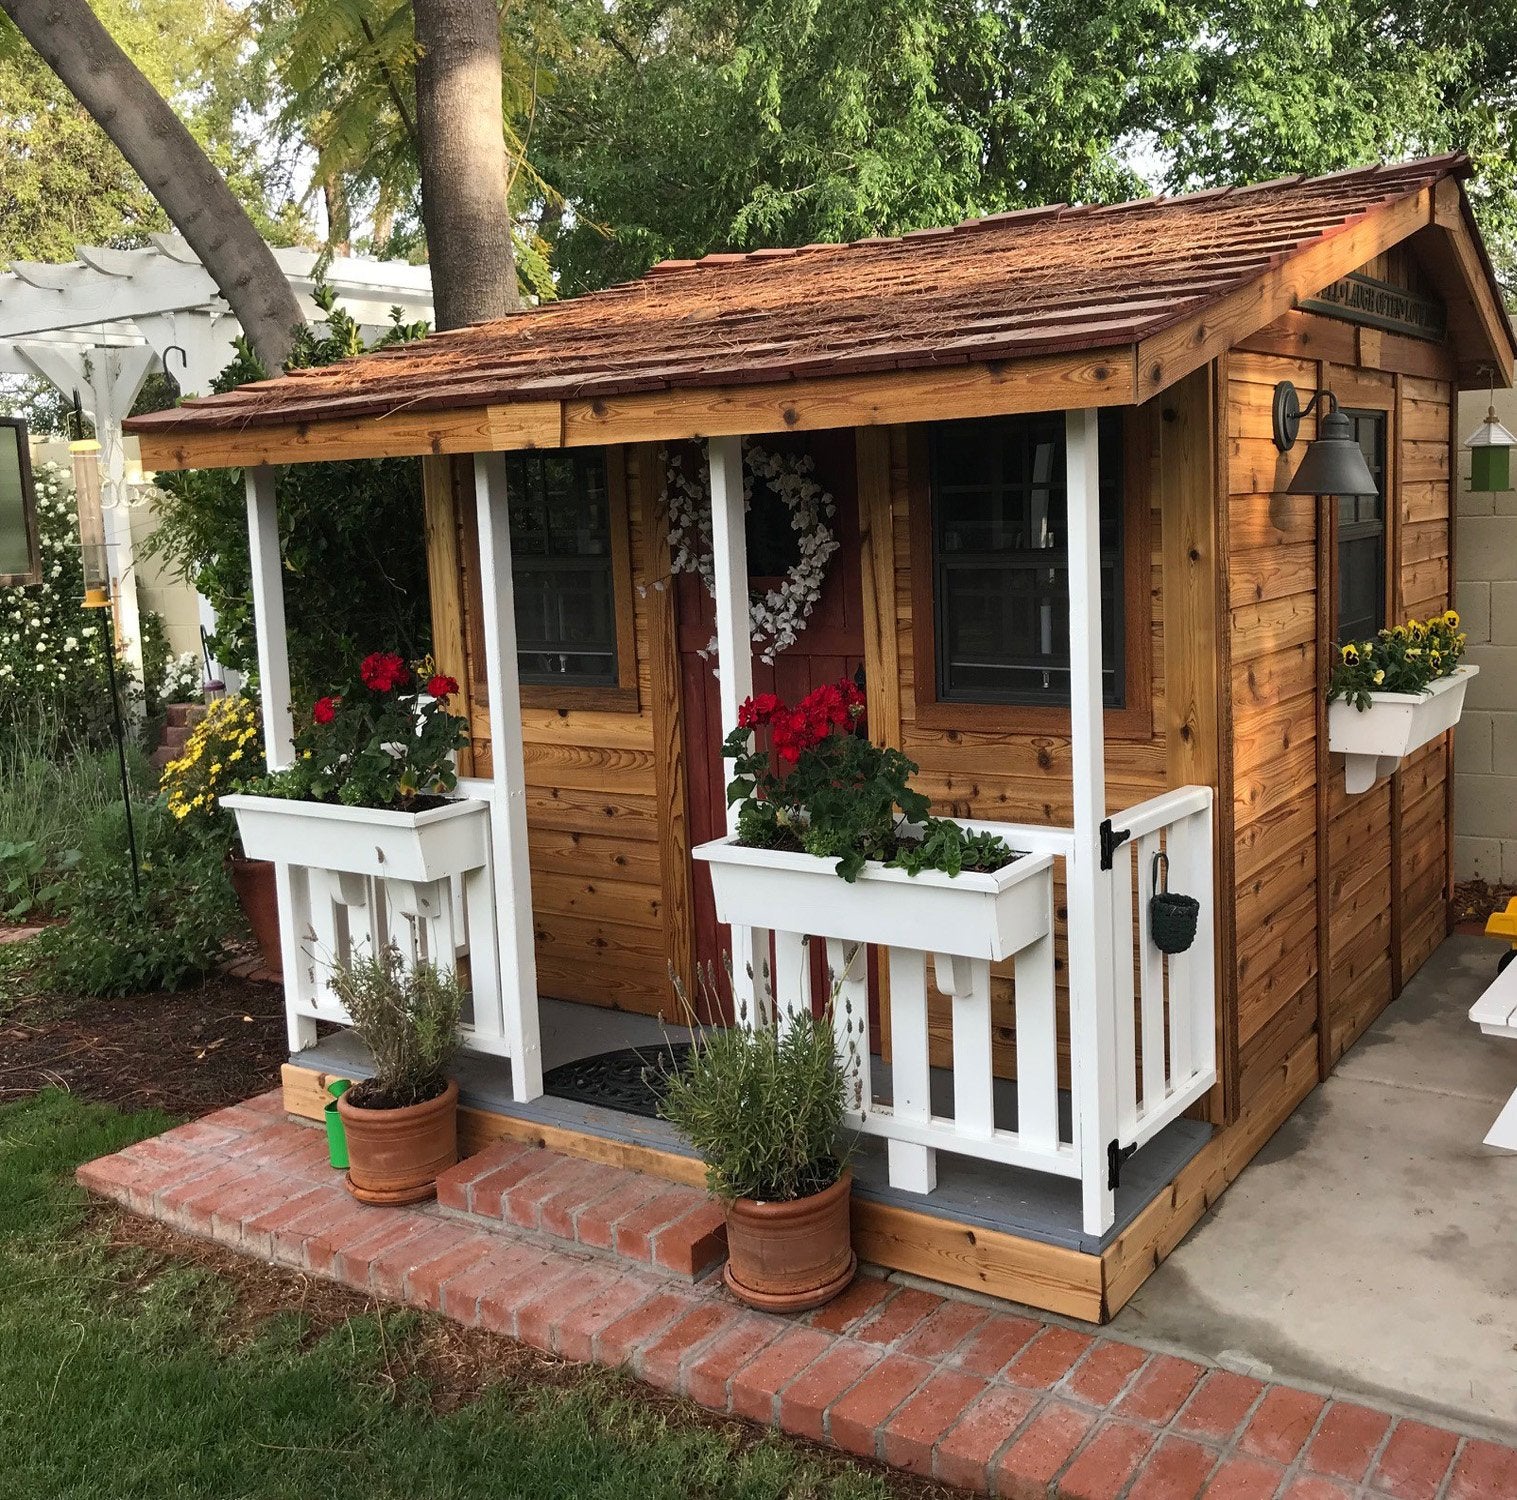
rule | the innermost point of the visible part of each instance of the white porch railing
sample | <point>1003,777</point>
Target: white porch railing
<point>342,908</point>
<point>1157,1021</point>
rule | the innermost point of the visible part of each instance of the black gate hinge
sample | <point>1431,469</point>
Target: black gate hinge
<point>1115,1156</point>
<point>1112,839</point>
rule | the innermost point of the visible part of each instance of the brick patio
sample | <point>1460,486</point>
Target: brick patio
<point>596,1263</point>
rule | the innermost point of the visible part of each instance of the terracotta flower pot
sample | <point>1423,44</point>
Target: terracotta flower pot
<point>253,880</point>
<point>394,1155</point>
<point>787,1257</point>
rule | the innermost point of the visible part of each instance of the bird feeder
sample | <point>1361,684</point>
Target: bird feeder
<point>85,456</point>
<point>1490,446</point>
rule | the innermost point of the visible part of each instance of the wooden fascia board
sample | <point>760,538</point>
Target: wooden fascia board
<point>1451,219</point>
<point>1050,382</point>
<point>405,434</point>
<point>1101,377</point>
<point>1170,355</point>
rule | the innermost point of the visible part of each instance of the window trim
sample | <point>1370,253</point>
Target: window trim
<point>1387,538</point>
<point>622,696</point>
<point>1134,720</point>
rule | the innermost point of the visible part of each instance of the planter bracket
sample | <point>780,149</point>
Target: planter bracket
<point>1115,1156</point>
<point>1112,839</point>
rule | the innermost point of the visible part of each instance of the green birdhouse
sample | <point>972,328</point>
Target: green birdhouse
<point>1490,446</point>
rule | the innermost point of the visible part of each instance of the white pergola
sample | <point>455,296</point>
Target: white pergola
<point>102,323</point>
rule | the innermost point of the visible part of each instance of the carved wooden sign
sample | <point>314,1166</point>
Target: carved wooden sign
<point>1357,298</point>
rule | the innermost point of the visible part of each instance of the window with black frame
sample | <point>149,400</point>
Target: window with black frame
<point>561,567</point>
<point>1000,544</point>
<point>1361,539</point>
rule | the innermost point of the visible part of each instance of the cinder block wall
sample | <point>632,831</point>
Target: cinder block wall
<point>1485,593</point>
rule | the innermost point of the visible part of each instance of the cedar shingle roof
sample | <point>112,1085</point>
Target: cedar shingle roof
<point>994,289</point>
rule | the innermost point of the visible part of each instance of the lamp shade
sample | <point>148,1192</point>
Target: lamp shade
<point>1333,463</point>
<point>85,455</point>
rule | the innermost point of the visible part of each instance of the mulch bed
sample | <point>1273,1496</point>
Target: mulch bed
<point>186,1053</point>
<point>1475,900</point>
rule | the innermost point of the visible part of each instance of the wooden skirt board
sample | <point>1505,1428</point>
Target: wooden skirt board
<point>1005,1233</point>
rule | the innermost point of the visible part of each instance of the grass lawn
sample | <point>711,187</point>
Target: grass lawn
<point>129,1369</point>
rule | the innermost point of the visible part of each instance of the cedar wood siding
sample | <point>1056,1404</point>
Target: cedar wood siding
<point>1339,899</point>
<point>605,822</point>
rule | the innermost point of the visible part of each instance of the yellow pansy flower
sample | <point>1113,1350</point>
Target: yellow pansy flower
<point>1350,654</point>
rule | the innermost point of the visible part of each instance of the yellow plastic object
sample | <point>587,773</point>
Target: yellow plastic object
<point>1503,923</point>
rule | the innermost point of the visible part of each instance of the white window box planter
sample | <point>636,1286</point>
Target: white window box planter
<point>377,842</point>
<point>1394,725</point>
<point>971,915</point>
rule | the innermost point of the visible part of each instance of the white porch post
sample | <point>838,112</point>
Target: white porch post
<point>1092,1039</point>
<point>278,724</point>
<point>734,655</point>
<point>508,802</point>
<point>268,618</point>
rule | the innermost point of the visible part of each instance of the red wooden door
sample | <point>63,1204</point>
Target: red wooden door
<point>830,647</point>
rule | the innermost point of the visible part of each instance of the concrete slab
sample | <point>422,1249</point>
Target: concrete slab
<point>1371,1248</point>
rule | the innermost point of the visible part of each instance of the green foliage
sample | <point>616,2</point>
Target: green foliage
<point>53,680</point>
<point>171,931</point>
<point>47,804</point>
<point>155,661</point>
<point>948,846</point>
<point>408,1019</point>
<point>687,127</point>
<point>351,537</point>
<point>763,1106</point>
<point>62,182</point>
<point>1404,659</point>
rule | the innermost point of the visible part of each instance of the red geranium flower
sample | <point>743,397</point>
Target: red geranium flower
<point>325,709</point>
<point>441,686</point>
<point>384,671</point>
<point>757,710</point>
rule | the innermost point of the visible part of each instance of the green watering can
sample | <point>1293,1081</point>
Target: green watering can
<point>337,1139</point>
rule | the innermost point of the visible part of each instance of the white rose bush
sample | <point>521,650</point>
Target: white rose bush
<point>52,673</point>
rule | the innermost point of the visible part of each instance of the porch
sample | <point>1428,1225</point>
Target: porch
<point>1111,1044</point>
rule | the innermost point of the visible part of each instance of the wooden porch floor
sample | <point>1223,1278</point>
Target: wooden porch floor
<point>999,1229</point>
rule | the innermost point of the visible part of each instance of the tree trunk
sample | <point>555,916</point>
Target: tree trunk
<point>147,132</point>
<point>463,161</point>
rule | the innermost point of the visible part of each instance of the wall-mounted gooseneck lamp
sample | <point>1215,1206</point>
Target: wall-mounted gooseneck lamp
<point>1333,463</point>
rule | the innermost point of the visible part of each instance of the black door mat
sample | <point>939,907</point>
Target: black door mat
<point>632,1080</point>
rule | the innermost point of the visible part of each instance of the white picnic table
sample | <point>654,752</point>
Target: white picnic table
<point>1495,1013</point>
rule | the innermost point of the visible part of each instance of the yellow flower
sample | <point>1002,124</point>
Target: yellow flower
<point>1399,633</point>
<point>1351,654</point>
<point>234,756</point>
<point>179,812</point>
<point>1379,678</point>
<point>216,768</point>
<point>1451,618</point>
<point>1436,658</point>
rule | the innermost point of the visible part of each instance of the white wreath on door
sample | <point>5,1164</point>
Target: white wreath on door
<point>778,615</point>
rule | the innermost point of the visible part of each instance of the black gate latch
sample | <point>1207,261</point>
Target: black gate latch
<point>1112,839</point>
<point>1115,1156</point>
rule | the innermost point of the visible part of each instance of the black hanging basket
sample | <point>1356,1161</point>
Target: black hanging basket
<point>1172,918</point>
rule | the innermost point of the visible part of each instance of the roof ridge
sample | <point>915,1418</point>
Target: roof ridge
<point>1457,161</point>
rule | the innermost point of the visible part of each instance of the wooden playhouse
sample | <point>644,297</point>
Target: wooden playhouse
<point>1064,564</point>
